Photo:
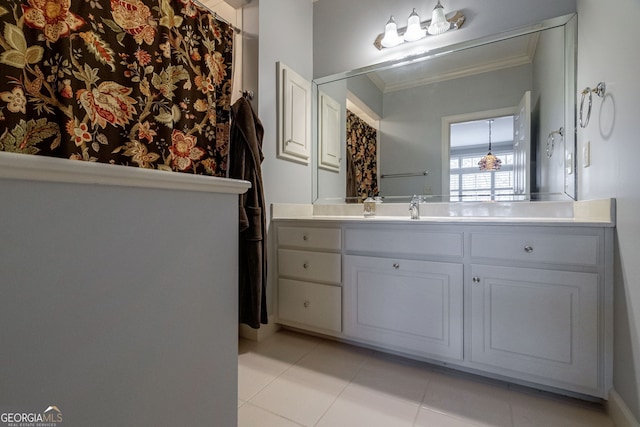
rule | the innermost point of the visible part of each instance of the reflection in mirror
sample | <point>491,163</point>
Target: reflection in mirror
<point>469,142</point>
<point>398,120</point>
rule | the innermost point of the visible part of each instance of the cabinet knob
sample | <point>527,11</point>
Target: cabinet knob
<point>476,279</point>
<point>305,265</point>
<point>396,265</point>
<point>305,237</point>
<point>306,304</point>
<point>528,249</point>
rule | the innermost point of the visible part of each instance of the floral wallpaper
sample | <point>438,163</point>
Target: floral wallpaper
<point>129,82</point>
<point>361,151</point>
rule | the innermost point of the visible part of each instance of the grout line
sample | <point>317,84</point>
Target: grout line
<point>344,388</point>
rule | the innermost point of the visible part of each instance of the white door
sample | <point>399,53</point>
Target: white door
<point>522,146</point>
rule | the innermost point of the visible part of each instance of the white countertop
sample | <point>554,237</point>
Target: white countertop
<point>594,213</point>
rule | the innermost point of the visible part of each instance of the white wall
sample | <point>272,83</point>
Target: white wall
<point>118,304</point>
<point>344,31</point>
<point>277,30</point>
<point>285,34</point>
<point>614,57</point>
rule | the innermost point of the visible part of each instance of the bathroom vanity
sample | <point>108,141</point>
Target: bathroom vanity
<point>525,298</point>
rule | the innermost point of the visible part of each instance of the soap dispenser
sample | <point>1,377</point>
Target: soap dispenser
<point>369,207</point>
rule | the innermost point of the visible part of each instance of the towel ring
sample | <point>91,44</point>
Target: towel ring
<point>599,90</point>
<point>551,141</point>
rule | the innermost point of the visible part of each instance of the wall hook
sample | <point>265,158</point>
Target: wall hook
<point>599,90</point>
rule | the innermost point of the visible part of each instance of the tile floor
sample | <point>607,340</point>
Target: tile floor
<point>292,380</point>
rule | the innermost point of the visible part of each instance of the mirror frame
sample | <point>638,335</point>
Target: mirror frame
<point>568,21</point>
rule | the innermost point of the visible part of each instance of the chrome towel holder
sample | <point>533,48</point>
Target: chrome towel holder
<point>599,90</point>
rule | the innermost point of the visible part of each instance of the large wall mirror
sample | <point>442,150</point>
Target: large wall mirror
<point>422,125</point>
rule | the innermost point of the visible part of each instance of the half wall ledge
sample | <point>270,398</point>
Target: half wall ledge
<point>52,169</point>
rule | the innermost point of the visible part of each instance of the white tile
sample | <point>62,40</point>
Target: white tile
<point>478,402</point>
<point>300,394</point>
<point>335,359</point>
<point>531,410</point>
<point>394,377</point>
<point>295,380</point>
<point>251,416</point>
<point>261,363</point>
<point>429,418</point>
<point>358,406</point>
<point>255,372</point>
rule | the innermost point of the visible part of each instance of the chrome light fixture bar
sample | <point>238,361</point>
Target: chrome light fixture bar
<point>417,30</point>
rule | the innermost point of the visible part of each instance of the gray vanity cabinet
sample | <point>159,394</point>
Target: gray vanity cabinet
<point>310,278</point>
<point>529,303</point>
<point>403,289</point>
<point>538,305</point>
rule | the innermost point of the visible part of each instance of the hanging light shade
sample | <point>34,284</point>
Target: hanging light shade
<point>490,162</point>
<point>439,23</point>
<point>391,37</point>
<point>414,31</point>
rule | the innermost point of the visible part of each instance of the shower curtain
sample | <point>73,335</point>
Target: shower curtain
<point>143,83</point>
<point>362,179</point>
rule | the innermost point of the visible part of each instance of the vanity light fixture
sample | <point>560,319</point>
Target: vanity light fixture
<point>391,37</point>
<point>439,23</point>
<point>416,30</point>
<point>490,162</point>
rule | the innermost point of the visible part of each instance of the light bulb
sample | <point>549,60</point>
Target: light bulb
<point>439,23</point>
<point>414,31</point>
<point>391,37</point>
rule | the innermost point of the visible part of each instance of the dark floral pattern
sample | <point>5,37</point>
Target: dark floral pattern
<point>144,83</point>
<point>361,148</point>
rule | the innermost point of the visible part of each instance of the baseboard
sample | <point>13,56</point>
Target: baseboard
<point>620,412</point>
<point>264,332</point>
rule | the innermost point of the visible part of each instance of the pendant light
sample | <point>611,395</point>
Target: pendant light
<point>439,23</point>
<point>490,162</point>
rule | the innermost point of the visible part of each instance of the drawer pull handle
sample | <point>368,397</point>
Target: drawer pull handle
<point>476,279</point>
<point>306,304</point>
<point>305,265</point>
<point>305,237</point>
<point>396,266</point>
<point>528,249</point>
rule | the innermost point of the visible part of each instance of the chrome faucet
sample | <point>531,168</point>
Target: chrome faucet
<point>414,207</point>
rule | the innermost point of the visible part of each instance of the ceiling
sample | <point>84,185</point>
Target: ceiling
<point>477,132</point>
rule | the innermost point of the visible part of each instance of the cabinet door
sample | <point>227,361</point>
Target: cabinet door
<point>540,325</point>
<point>409,306</point>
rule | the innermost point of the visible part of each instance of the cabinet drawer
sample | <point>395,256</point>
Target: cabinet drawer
<point>312,266</point>
<point>543,248</point>
<point>309,238</point>
<point>404,242</point>
<point>310,304</point>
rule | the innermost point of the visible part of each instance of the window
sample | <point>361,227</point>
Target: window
<point>468,183</point>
